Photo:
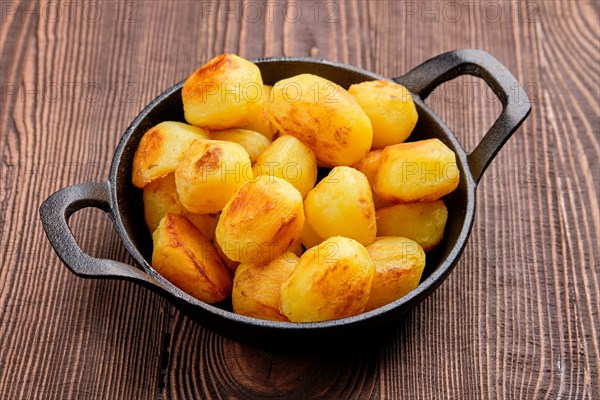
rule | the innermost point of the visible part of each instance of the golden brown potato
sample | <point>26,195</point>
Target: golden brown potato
<point>229,263</point>
<point>186,258</point>
<point>209,173</point>
<point>422,222</point>
<point>205,223</point>
<point>331,281</point>
<point>253,142</point>
<point>369,165</point>
<point>224,93</point>
<point>261,221</point>
<point>261,122</point>
<point>324,116</point>
<point>416,172</point>
<point>308,236</point>
<point>289,159</point>
<point>390,108</point>
<point>399,264</point>
<point>160,150</point>
<point>160,198</point>
<point>342,205</point>
<point>257,288</point>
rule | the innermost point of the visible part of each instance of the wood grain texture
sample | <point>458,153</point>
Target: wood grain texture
<point>519,316</point>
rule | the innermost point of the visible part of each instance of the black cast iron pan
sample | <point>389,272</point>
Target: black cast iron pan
<point>123,202</point>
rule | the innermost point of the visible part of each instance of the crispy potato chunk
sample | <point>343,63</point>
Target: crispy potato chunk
<point>261,122</point>
<point>257,288</point>
<point>224,93</point>
<point>160,150</point>
<point>422,222</point>
<point>342,205</point>
<point>229,263</point>
<point>289,159</point>
<point>369,165</point>
<point>417,172</point>
<point>324,116</point>
<point>160,198</point>
<point>186,258</point>
<point>205,223</point>
<point>308,236</point>
<point>209,174</point>
<point>261,221</point>
<point>253,142</point>
<point>390,108</point>
<point>331,281</point>
<point>399,264</point>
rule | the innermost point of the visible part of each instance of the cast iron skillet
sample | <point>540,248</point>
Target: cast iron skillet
<point>123,202</point>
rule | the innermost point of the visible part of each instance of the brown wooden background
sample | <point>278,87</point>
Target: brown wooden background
<point>519,316</point>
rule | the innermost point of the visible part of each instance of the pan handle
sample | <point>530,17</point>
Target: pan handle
<point>55,212</point>
<point>423,79</point>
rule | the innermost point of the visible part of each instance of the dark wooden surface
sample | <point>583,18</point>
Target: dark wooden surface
<point>517,319</point>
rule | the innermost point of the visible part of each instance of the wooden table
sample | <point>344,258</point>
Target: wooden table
<point>519,316</point>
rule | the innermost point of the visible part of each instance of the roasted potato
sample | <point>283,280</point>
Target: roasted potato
<point>261,122</point>
<point>257,288</point>
<point>209,174</point>
<point>331,281</point>
<point>205,223</point>
<point>324,116</point>
<point>253,142</point>
<point>342,205</point>
<point>224,93</point>
<point>160,150</point>
<point>229,263</point>
<point>186,258</point>
<point>390,108</point>
<point>422,222</point>
<point>369,165</point>
<point>308,236</point>
<point>289,159</point>
<point>399,264</point>
<point>160,198</point>
<point>416,172</point>
<point>261,221</point>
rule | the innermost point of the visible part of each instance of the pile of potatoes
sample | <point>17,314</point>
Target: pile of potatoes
<point>235,208</point>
